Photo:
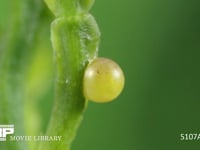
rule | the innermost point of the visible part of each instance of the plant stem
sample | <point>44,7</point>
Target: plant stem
<point>75,40</point>
<point>14,57</point>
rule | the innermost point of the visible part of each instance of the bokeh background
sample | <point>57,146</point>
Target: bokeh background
<point>157,43</point>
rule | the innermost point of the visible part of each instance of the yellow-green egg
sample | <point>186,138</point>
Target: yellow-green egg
<point>103,80</point>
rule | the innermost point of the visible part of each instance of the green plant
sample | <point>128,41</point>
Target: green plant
<point>75,38</point>
<point>17,48</point>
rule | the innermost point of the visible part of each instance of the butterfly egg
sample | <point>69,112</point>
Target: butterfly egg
<point>103,80</point>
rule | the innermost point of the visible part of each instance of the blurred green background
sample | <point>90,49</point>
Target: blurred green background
<point>157,43</point>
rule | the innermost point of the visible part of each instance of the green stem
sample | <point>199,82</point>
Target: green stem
<point>75,40</point>
<point>13,63</point>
